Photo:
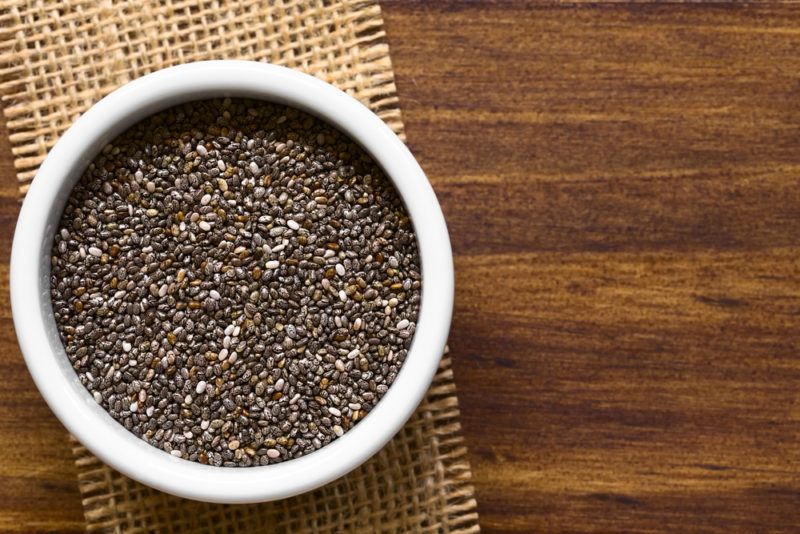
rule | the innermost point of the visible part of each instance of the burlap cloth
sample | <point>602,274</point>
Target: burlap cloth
<point>59,57</point>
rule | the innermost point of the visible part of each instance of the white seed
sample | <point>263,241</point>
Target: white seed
<point>151,187</point>
<point>204,226</point>
<point>229,329</point>
<point>354,406</point>
<point>162,291</point>
<point>97,396</point>
<point>273,453</point>
<point>253,167</point>
<point>272,264</point>
<point>214,294</point>
<point>342,295</point>
<point>340,269</point>
<point>176,453</point>
<point>150,411</point>
<point>279,384</point>
<point>206,199</point>
<point>339,366</point>
<point>402,325</point>
<point>134,407</point>
<point>223,354</point>
<point>357,324</point>
<point>221,165</point>
<point>237,330</point>
<point>202,150</point>
<point>94,251</point>
<point>201,387</point>
<point>353,354</point>
<point>138,175</point>
<point>126,346</point>
<point>338,430</point>
<point>204,424</point>
<point>188,399</point>
<point>293,224</point>
<point>334,411</point>
<point>233,357</point>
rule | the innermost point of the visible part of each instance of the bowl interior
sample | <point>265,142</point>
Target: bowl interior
<point>38,334</point>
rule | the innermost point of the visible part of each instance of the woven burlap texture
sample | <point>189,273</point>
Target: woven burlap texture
<point>57,58</point>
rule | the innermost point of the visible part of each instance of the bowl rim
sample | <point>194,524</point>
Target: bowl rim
<point>32,310</point>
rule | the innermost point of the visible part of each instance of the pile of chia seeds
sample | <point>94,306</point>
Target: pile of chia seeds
<point>235,282</point>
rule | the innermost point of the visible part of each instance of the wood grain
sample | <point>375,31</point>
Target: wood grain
<point>621,187</point>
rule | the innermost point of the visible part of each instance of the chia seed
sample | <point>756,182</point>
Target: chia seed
<point>235,282</point>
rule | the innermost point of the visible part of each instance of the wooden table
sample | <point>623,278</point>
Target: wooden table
<point>621,186</point>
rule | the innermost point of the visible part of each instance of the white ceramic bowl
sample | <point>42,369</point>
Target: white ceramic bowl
<point>44,353</point>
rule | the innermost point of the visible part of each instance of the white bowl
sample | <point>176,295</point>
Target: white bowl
<point>36,328</point>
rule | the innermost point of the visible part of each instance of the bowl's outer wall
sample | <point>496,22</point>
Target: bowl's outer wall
<point>38,335</point>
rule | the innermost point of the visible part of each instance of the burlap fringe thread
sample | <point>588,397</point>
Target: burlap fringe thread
<point>57,58</point>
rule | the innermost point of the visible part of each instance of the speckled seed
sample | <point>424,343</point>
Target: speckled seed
<point>235,282</point>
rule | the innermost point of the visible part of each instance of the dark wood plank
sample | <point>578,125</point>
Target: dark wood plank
<point>621,186</point>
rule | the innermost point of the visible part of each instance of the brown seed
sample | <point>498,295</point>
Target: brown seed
<point>250,352</point>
